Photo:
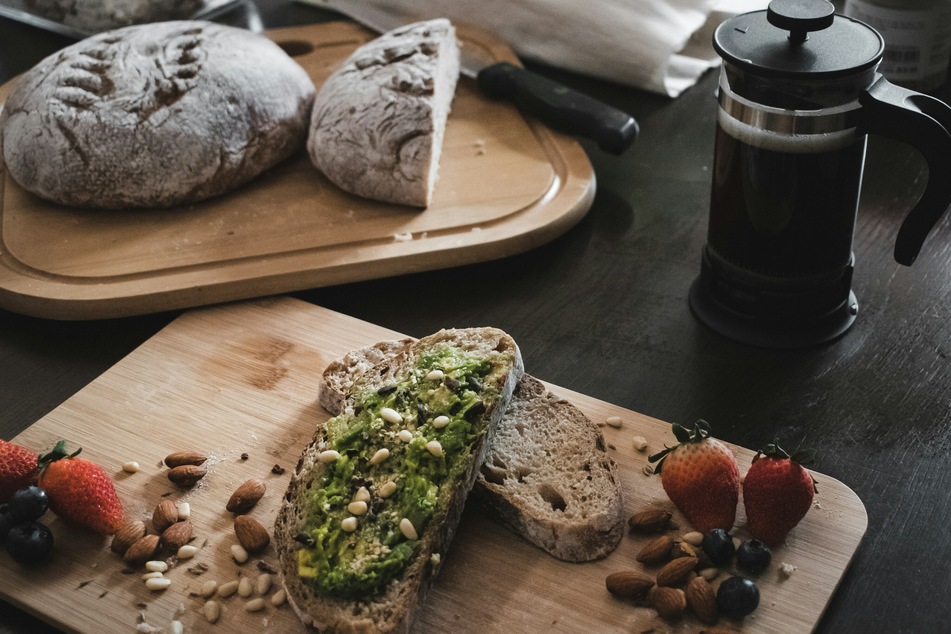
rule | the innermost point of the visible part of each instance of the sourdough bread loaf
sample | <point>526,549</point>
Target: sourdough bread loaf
<point>547,475</point>
<point>95,16</point>
<point>378,121</point>
<point>156,115</point>
<point>344,577</point>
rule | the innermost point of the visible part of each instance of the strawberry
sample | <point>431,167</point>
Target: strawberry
<point>80,491</point>
<point>18,469</point>
<point>777,492</point>
<point>700,476</point>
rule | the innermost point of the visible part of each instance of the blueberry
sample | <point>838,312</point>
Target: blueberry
<point>737,597</point>
<point>29,543</point>
<point>753,556</point>
<point>718,544</point>
<point>29,503</point>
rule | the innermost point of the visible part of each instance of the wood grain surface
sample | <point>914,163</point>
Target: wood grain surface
<point>241,379</point>
<point>506,185</point>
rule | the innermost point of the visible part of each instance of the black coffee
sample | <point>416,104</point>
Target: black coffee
<point>784,205</point>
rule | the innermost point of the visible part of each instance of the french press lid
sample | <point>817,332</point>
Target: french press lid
<point>798,39</point>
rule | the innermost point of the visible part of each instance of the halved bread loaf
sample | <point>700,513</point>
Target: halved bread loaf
<point>547,476</point>
<point>377,495</point>
<point>378,121</point>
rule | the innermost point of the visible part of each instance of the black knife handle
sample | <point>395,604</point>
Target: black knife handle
<point>559,106</point>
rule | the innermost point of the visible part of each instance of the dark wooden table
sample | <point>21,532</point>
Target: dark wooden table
<point>603,310</point>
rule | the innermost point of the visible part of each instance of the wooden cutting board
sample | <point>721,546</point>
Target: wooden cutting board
<point>506,185</point>
<point>241,379</point>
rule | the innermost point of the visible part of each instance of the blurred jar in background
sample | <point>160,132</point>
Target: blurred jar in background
<point>917,38</point>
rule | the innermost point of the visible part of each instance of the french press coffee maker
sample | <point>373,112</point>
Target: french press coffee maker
<point>799,94</point>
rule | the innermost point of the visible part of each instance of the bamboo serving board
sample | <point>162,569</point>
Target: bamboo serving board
<point>242,379</point>
<point>506,185</point>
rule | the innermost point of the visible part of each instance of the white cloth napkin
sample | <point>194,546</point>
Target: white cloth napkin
<point>662,46</point>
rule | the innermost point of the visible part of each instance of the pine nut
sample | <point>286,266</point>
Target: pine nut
<point>157,584</point>
<point>279,597</point>
<point>209,588</point>
<point>390,415</point>
<point>435,375</point>
<point>176,627</point>
<point>358,508</point>
<point>349,524</point>
<point>245,589</point>
<point>694,538</point>
<point>639,442</point>
<point>263,585</point>
<point>152,575</point>
<point>387,489</point>
<point>239,554</point>
<point>131,467</point>
<point>408,530</point>
<point>254,605</point>
<point>328,456</point>
<point>614,421</point>
<point>225,590</point>
<point>156,566</point>
<point>405,435</point>
<point>440,421</point>
<point>187,551</point>
<point>380,456</point>
<point>434,448</point>
<point>362,495</point>
<point>184,511</point>
<point>212,611</point>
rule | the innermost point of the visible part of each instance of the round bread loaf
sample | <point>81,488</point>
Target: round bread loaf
<point>154,116</point>
<point>379,119</point>
<point>95,16</point>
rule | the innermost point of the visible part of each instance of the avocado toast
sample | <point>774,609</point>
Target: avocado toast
<point>377,495</point>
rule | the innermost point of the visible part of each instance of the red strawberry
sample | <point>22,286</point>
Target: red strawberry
<point>80,491</point>
<point>700,476</point>
<point>777,492</point>
<point>18,469</point>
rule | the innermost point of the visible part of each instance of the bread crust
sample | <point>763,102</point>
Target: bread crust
<point>394,609</point>
<point>154,115</point>
<point>378,121</point>
<point>545,454</point>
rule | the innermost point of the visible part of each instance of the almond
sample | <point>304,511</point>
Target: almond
<point>656,551</point>
<point>130,533</point>
<point>180,458</point>
<point>652,521</point>
<point>177,535</point>
<point>702,599</point>
<point>627,583</point>
<point>246,496</point>
<point>141,550</point>
<point>164,515</point>
<point>251,534</point>
<point>676,571</point>
<point>186,475</point>
<point>670,603</point>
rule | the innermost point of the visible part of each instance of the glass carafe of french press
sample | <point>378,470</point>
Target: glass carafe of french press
<point>799,93</point>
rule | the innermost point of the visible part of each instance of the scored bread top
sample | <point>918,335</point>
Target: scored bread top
<point>477,372</point>
<point>547,475</point>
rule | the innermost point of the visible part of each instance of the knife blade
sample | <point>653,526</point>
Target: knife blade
<point>555,104</point>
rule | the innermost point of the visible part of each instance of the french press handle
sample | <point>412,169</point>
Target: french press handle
<point>924,123</point>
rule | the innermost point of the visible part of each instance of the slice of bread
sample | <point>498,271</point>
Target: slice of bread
<point>378,121</point>
<point>329,570</point>
<point>548,476</point>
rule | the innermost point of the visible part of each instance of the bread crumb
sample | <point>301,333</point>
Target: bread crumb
<point>786,570</point>
<point>403,237</point>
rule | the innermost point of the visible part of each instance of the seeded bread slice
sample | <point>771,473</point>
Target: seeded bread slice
<point>548,476</point>
<point>392,607</point>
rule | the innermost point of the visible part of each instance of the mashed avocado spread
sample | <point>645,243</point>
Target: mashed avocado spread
<point>388,460</point>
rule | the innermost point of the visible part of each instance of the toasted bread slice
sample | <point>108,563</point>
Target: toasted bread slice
<point>547,476</point>
<point>431,406</point>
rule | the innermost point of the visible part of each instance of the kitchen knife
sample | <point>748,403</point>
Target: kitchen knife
<point>557,105</point>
